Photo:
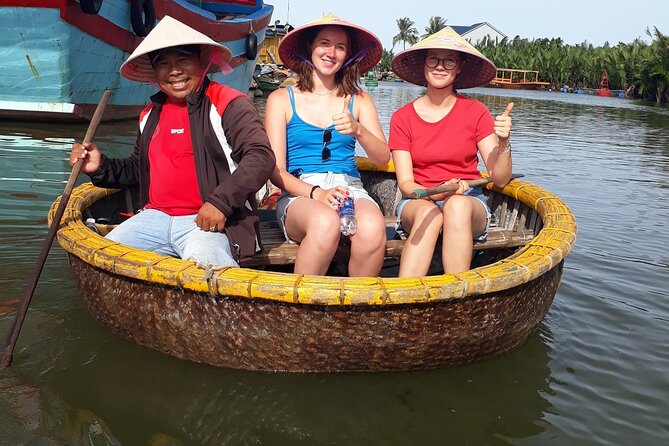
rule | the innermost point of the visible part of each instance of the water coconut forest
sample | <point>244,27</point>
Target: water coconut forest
<point>639,68</point>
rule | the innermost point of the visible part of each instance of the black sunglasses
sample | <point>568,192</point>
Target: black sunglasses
<point>448,62</point>
<point>326,153</point>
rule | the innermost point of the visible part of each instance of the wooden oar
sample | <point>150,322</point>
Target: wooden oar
<point>46,246</point>
<point>422,193</point>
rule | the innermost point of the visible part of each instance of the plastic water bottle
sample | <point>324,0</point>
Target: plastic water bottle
<point>90,224</point>
<point>347,216</point>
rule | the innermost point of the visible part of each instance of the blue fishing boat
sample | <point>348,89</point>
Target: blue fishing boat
<point>60,55</point>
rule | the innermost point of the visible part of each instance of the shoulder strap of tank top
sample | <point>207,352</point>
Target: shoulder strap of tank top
<point>291,95</point>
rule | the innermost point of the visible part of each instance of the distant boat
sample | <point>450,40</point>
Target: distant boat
<point>603,89</point>
<point>267,82</point>
<point>517,79</point>
<point>60,55</point>
<point>372,79</point>
<point>269,77</point>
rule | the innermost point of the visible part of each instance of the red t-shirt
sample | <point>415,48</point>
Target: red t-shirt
<point>173,188</point>
<point>444,149</point>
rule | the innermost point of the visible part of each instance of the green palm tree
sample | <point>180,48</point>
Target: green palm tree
<point>386,59</point>
<point>436,24</point>
<point>408,34</point>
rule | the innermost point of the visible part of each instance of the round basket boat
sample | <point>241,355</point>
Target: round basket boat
<point>254,318</point>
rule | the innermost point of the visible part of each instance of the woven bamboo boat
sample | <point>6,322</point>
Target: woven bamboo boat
<point>261,319</point>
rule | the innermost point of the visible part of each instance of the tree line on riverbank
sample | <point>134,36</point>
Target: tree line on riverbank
<point>640,69</point>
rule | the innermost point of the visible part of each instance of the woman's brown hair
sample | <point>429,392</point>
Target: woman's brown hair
<point>348,76</point>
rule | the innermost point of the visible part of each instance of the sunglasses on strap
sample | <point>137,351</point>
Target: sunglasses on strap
<point>326,153</point>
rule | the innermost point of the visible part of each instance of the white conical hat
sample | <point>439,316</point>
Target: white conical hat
<point>477,69</point>
<point>170,32</point>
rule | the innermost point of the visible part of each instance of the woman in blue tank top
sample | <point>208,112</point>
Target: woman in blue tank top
<point>313,130</point>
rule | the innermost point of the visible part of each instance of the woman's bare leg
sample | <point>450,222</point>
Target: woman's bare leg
<point>422,219</point>
<point>316,227</point>
<point>463,217</point>
<point>368,244</point>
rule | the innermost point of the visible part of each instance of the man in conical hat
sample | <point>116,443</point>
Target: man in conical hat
<point>199,158</point>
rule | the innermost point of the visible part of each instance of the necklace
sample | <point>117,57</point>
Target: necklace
<point>326,93</point>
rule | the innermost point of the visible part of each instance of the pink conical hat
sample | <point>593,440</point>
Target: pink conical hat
<point>368,45</point>
<point>476,70</point>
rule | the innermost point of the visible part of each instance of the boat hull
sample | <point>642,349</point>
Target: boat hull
<point>518,86</point>
<point>58,60</point>
<point>267,85</point>
<point>258,334</point>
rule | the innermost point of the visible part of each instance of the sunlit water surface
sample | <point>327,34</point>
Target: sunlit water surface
<point>595,372</point>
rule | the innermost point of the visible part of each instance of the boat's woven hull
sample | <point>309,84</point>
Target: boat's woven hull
<point>268,335</point>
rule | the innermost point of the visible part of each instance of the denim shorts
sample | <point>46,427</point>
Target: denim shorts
<point>326,180</point>
<point>474,192</point>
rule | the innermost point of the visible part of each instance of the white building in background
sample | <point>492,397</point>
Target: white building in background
<point>476,32</point>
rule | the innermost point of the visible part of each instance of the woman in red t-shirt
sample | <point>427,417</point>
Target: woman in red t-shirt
<point>436,139</point>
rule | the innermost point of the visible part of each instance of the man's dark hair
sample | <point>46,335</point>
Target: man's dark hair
<point>190,50</point>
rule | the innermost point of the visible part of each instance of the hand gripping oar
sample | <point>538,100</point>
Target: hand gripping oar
<point>422,193</point>
<point>46,246</point>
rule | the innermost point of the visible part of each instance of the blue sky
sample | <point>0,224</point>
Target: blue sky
<point>574,21</point>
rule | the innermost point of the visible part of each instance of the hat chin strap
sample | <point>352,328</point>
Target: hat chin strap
<point>357,57</point>
<point>225,68</point>
<point>204,74</point>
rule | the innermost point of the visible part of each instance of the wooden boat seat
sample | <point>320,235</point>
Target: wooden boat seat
<point>277,251</point>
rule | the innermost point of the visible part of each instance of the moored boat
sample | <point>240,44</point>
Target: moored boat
<point>517,79</point>
<point>267,83</point>
<point>269,77</point>
<point>60,55</point>
<point>372,79</point>
<point>257,317</point>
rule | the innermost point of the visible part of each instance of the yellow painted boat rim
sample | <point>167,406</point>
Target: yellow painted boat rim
<point>545,252</point>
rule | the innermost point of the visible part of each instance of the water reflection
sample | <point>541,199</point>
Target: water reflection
<point>194,404</point>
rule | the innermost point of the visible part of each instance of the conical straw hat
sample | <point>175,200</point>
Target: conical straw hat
<point>170,32</point>
<point>367,44</point>
<point>476,70</point>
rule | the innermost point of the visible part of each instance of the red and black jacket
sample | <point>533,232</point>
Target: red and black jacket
<point>233,159</point>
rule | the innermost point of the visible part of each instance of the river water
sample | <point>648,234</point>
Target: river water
<point>595,372</point>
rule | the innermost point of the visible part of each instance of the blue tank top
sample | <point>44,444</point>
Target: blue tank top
<point>304,145</point>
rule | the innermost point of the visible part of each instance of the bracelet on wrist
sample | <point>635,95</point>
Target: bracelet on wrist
<point>311,193</point>
<point>504,149</point>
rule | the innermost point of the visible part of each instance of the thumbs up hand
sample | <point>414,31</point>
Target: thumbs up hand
<point>344,122</point>
<point>503,123</point>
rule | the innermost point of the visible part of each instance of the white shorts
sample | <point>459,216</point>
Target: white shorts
<point>326,180</point>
